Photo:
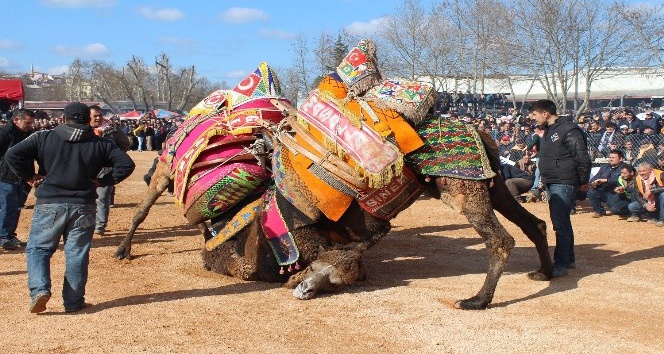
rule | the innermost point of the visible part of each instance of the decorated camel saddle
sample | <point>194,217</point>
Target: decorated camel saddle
<point>359,136</point>
<point>216,156</point>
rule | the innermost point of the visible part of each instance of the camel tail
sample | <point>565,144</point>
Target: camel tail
<point>491,150</point>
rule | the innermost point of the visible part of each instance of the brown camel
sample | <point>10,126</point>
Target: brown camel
<point>247,256</point>
<point>331,268</point>
<point>330,252</point>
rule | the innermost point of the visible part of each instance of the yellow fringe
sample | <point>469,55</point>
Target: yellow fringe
<point>352,117</point>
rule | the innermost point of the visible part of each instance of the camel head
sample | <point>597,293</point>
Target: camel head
<point>332,271</point>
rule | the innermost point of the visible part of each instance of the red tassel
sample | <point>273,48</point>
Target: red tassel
<point>297,266</point>
<point>290,269</point>
<point>427,179</point>
<point>281,271</point>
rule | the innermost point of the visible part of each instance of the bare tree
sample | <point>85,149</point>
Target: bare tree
<point>300,48</point>
<point>77,80</point>
<point>646,22</point>
<point>405,37</point>
<point>141,76</point>
<point>604,43</point>
<point>322,53</point>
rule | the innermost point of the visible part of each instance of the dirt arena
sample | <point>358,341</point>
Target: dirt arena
<point>163,301</point>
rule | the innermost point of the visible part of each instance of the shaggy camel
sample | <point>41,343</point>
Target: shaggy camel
<point>247,256</point>
<point>475,199</point>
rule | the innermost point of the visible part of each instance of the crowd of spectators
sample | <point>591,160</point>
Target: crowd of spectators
<point>638,140</point>
<point>152,129</point>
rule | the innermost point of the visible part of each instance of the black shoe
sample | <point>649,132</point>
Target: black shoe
<point>559,272</point>
<point>85,304</point>
<point>9,244</point>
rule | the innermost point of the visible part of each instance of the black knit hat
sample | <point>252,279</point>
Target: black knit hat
<point>77,112</point>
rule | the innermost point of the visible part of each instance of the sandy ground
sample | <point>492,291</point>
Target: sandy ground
<point>163,301</point>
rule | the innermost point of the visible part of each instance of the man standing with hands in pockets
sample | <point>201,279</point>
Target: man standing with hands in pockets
<point>564,166</point>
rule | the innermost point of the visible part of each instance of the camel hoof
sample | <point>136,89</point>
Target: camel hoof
<point>304,291</point>
<point>538,275</point>
<point>122,253</point>
<point>474,303</point>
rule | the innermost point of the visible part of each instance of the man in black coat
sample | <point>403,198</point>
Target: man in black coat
<point>69,158</point>
<point>13,190</point>
<point>564,166</point>
<point>604,183</point>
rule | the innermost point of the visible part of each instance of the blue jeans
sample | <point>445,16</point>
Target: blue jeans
<point>12,198</point>
<point>75,223</point>
<point>599,196</point>
<point>636,208</point>
<point>104,195</point>
<point>536,181</point>
<point>141,143</point>
<point>561,202</point>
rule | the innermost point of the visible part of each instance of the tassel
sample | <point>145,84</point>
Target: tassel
<point>281,271</point>
<point>290,269</point>
<point>382,129</point>
<point>297,266</point>
<point>427,179</point>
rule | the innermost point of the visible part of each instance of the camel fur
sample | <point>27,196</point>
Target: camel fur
<point>474,199</point>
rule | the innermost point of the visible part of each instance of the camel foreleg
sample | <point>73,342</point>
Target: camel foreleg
<point>159,183</point>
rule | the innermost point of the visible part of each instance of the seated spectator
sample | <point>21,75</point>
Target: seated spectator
<point>649,195</point>
<point>518,151</point>
<point>603,184</point>
<point>632,123</point>
<point>650,122</point>
<point>624,130</point>
<point>647,152</point>
<point>625,190</point>
<point>630,152</point>
<point>505,146</point>
<point>610,134</point>
<point>519,178</point>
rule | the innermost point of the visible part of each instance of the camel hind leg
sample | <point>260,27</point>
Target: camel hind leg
<point>158,184</point>
<point>474,201</point>
<point>534,228</point>
<point>503,202</point>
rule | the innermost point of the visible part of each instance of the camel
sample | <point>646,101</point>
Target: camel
<point>330,249</point>
<point>331,265</point>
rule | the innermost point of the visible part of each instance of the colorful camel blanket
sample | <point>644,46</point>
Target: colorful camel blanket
<point>278,236</point>
<point>411,98</point>
<point>210,155</point>
<point>359,69</point>
<point>388,201</point>
<point>384,126</point>
<point>226,229</point>
<point>451,149</point>
<point>345,134</point>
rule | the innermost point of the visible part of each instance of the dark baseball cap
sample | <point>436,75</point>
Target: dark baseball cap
<point>77,111</point>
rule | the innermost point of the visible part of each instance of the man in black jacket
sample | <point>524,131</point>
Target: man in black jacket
<point>564,168</point>
<point>604,183</point>
<point>70,158</point>
<point>13,190</point>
